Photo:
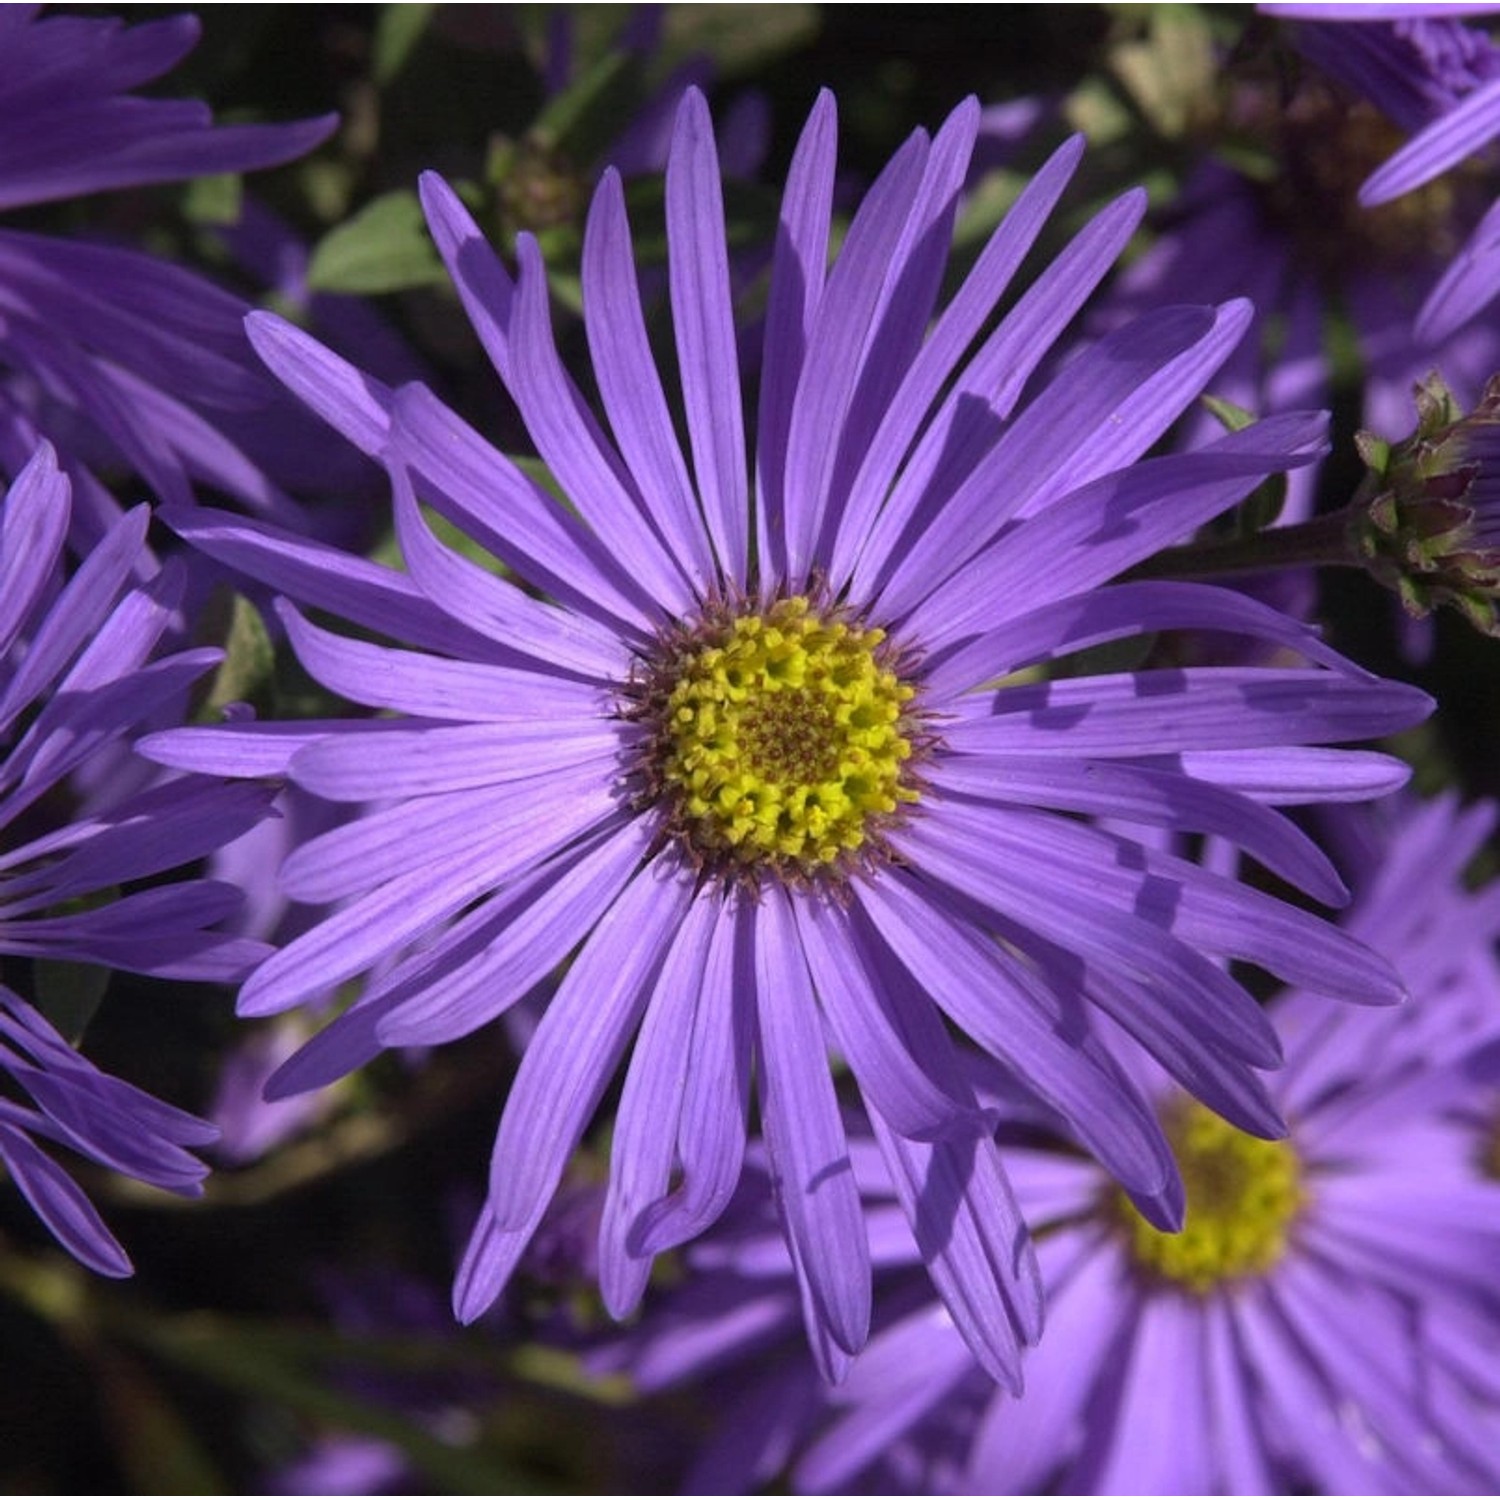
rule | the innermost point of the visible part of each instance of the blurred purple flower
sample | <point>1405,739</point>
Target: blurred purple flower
<point>118,358</point>
<point>1317,231</point>
<point>1439,81</point>
<point>753,765</point>
<point>76,683</point>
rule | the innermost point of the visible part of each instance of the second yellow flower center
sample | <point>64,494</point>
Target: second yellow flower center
<point>1242,1197</point>
<point>782,739</point>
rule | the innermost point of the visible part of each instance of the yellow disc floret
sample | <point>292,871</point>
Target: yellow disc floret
<point>781,739</point>
<point>1242,1196</point>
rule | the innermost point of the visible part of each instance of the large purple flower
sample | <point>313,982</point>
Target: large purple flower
<point>119,358</point>
<point>1326,1322</point>
<point>80,818</point>
<point>798,775</point>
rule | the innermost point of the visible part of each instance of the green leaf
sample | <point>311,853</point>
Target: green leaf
<point>397,33</point>
<point>1172,72</point>
<point>385,247</point>
<point>1230,417</point>
<point>214,200</point>
<point>739,38</point>
<point>582,120</point>
<point>245,674</point>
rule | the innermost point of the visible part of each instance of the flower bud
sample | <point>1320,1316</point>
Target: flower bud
<point>1427,518</point>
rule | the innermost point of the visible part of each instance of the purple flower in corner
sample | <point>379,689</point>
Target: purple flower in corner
<point>117,357</point>
<point>783,768</point>
<point>1309,203</point>
<point>76,683</point>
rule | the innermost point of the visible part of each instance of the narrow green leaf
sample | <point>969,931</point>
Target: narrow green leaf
<point>1230,417</point>
<point>156,1445</point>
<point>582,120</point>
<point>397,33</point>
<point>245,674</point>
<point>739,38</point>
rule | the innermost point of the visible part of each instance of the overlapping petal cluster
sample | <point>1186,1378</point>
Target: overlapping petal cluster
<point>916,476</point>
<point>77,682</point>
<point>117,357</point>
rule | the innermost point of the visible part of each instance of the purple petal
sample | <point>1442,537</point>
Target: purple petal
<point>484,494</point>
<point>447,758</point>
<point>1113,612</point>
<point>587,1025</point>
<point>842,323</point>
<point>61,1206</point>
<point>971,417</point>
<point>797,271</point>
<point>1193,708</point>
<point>805,1137</point>
<point>495,607</point>
<point>876,1030</point>
<point>33,522</point>
<point>703,321</point>
<point>1103,528</point>
<point>933,365</point>
<point>401,910</point>
<point>630,386</point>
<point>1157,798</point>
<point>483,284</point>
<point>716,1098</point>
<point>577,452</point>
<point>429,686</point>
<point>647,1121</point>
<point>1009,1013</point>
<point>974,1243</point>
<point>350,401</point>
<point>1458,133</point>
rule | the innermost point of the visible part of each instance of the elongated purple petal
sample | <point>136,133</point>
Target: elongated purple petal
<point>809,1152</point>
<point>703,321</point>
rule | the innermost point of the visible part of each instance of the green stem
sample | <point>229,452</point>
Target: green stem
<point>1321,542</point>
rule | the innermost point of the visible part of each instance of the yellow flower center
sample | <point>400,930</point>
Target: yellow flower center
<point>781,739</point>
<point>1242,1196</point>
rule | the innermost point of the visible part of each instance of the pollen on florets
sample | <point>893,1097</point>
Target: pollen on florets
<point>1243,1195</point>
<point>779,739</point>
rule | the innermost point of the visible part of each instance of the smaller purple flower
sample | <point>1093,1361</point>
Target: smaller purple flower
<point>77,681</point>
<point>1325,1322</point>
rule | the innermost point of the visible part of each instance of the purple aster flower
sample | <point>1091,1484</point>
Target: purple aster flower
<point>1325,1323</point>
<point>76,683</point>
<point>790,777</point>
<point>117,357</point>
